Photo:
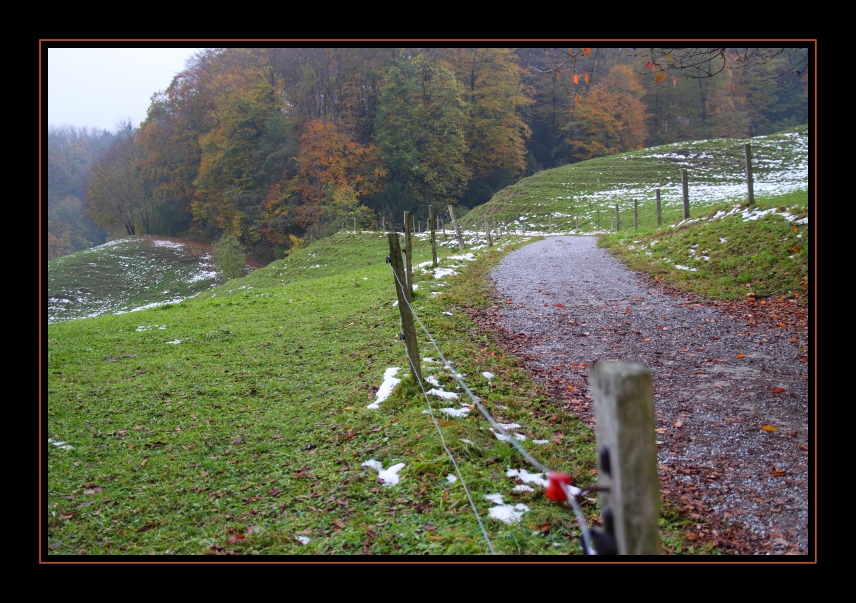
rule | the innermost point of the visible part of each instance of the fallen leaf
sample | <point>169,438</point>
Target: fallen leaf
<point>691,536</point>
<point>238,440</point>
<point>660,430</point>
<point>769,428</point>
<point>55,545</point>
<point>778,473</point>
<point>338,523</point>
<point>143,462</point>
<point>739,356</point>
<point>778,390</point>
<point>677,423</point>
<point>66,515</point>
<point>275,492</point>
<point>803,448</point>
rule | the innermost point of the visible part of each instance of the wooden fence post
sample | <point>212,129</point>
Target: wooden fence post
<point>635,214</point>
<point>408,254</point>
<point>617,222</point>
<point>431,221</point>
<point>404,307</point>
<point>659,210</point>
<point>457,230</point>
<point>747,153</point>
<point>487,232</point>
<point>685,194</point>
<point>627,454</point>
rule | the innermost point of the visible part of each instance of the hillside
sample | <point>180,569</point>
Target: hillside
<point>263,416</point>
<point>581,197</point>
<point>126,275</point>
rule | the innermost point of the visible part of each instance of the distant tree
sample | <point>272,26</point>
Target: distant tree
<point>611,118</point>
<point>116,199</point>
<point>333,173</point>
<point>420,129</point>
<point>229,256</point>
<point>71,151</point>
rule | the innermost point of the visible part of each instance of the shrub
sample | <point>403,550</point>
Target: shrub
<point>229,257</point>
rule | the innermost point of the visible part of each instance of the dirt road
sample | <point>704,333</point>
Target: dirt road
<point>721,373</point>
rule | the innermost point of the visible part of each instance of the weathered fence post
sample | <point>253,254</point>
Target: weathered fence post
<point>404,307</point>
<point>659,210</point>
<point>685,193</point>
<point>431,222</point>
<point>627,454</point>
<point>487,232</point>
<point>635,214</point>
<point>457,230</point>
<point>617,222</point>
<point>747,153</point>
<point>408,254</point>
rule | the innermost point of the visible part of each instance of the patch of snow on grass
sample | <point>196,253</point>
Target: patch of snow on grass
<point>455,412</point>
<point>525,476</point>
<point>385,389</point>
<point>506,513</point>
<point>388,476</point>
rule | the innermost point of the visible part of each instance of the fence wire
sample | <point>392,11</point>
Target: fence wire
<point>571,492</point>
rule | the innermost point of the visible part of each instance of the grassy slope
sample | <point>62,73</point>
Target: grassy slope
<point>255,424</point>
<point>583,193</point>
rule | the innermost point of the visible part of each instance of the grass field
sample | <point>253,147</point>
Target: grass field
<point>238,421</point>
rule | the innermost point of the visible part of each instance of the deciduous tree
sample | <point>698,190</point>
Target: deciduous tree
<point>611,118</point>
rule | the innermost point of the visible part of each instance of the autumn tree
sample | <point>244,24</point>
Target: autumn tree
<point>611,118</point>
<point>420,130</point>
<point>116,199</point>
<point>176,119</point>
<point>334,172</point>
<point>71,152</point>
<point>494,130</point>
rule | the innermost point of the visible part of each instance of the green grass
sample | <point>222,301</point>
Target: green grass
<point>582,197</point>
<point>727,257</point>
<point>236,421</point>
<point>256,424</point>
<point>112,277</point>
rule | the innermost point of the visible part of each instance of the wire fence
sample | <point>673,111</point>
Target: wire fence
<point>571,492</point>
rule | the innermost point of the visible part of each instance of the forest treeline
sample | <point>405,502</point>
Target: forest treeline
<point>277,145</point>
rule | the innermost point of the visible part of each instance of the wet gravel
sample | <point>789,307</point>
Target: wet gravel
<point>747,488</point>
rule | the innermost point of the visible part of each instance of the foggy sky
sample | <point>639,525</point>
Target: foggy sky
<point>98,87</point>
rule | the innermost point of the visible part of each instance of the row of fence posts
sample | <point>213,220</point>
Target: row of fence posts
<point>623,400</point>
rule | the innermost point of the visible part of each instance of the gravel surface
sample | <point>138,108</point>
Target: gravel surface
<point>745,488</point>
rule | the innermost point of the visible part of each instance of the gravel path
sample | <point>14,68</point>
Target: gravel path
<point>747,488</point>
